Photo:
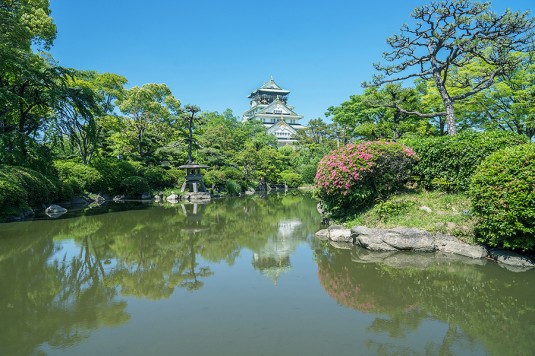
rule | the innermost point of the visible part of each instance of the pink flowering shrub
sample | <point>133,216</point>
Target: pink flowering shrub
<point>356,174</point>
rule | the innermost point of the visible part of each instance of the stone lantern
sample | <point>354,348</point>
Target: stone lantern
<point>193,186</point>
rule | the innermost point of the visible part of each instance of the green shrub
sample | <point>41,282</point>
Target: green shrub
<point>12,196</point>
<point>114,172</point>
<point>292,179</point>
<point>357,174</point>
<point>134,186</point>
<point>503,197</point>
<point>22,187</point>
<point>447,162</point>
<point>308,172</point>
<point>81,177</point>
<point>232,187</point>
<point>215,179</point>
<point>392,208</point>
<point>159,177</point>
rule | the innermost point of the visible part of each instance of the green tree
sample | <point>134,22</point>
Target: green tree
<point>27,80</point>
<point>89,98</point>
<point>375,114</point>
<point>450,34</point>
<point>509,104</point>
<point>152,119</point>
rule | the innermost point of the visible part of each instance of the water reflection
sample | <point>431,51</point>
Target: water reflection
<point>61,279</point>
<point>273,259</point>
<point>481,305</point>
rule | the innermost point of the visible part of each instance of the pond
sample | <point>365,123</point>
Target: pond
<point>243,276</point>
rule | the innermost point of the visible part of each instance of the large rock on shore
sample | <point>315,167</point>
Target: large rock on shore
<point>55,211</point>
<point>450,244</point>
<point>397,239</point>
<point>383,245</point>
<point>511,260</point>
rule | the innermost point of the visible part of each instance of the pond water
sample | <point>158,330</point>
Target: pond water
<point>244,276</point>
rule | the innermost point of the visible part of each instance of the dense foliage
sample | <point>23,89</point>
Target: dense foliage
<point>448,162</point>
<point>22,188</point>
<point>356,174</point>
<point>503,196</point>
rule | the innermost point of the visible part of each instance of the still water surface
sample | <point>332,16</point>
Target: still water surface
<point>244,276</point>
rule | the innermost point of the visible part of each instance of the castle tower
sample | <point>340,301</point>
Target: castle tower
<point>269,104</point>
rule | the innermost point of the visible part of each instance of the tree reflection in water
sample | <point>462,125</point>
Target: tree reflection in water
<point>476,303</point>
<point>61,279</point>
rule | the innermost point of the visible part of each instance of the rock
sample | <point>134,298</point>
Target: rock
<point>339,233</point>
<point>323,234</point>
<point>250,191</point>
<point>450,244</point>
<point>146,196</point>
<point>512,259</point>
<point>426,209</point>
<point>393,239</point>
<point>118,198</point>
<point>55,211</point>
<point>173,198</point>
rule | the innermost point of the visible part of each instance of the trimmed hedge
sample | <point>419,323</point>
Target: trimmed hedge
<point>114,172</point>
<point>292,179</point>
<point>134,186</point>
<point>448,162</point>
<point>159,177</point>
<point>357,174</point>
<point>503,197</point>
<point>81,177</point>
<point>21,188</point>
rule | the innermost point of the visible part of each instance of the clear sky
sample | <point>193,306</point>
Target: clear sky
<point>213,53</point>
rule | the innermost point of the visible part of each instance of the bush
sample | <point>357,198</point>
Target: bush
<point>308,172</point>
<point>114,172</point>
<point>22,187</point>
<point>357,174</point>
<point>215,179</point>
<point>160,178</point>
<point>447,162</point>
<point>134,186</point>
<point>292,179</point>
<point>12,196</point>
<point>232,187</point>
<point>503,197</point>
<point>81,177</point>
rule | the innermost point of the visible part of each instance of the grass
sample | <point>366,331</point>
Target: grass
<point>434,211</point>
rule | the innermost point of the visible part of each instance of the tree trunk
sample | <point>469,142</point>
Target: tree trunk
<point>448,104</point>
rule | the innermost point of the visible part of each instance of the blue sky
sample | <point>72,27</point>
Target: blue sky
<point>214,53</point>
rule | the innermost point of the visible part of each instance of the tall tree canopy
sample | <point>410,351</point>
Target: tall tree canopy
<point>152,112</point>
<point>448,35</point>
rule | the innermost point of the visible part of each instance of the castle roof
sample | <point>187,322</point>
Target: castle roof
<point>271,87</point>
<point>278,108</point>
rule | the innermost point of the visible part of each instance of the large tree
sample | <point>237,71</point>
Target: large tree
<point>88,99</point>
<point>448,35</point>
<point>509,104</point>
<point>376,113</point>
<point>152,117</point>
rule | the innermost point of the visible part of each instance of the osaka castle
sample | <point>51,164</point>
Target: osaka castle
<point>269,104</point>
